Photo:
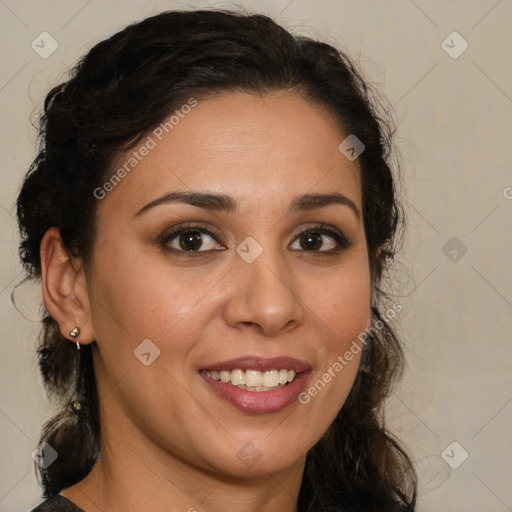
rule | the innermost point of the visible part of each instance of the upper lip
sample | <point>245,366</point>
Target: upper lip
<point>260,363</point>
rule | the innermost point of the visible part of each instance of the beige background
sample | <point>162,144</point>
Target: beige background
<point>455,136</point>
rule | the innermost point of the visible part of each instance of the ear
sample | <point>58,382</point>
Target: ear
<point>65,288</point>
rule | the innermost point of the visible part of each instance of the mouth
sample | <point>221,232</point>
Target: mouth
<point>257,385</point>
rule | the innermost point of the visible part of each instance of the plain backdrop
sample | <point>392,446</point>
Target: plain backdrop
<point>445,69</point>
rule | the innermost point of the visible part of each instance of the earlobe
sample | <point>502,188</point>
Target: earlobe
<point>370,312</point>
<point>64,287</point>
<point>369,322</point>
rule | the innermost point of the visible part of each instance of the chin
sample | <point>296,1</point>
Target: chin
<point>253,459</point>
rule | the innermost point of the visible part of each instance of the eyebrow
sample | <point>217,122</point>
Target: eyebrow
<point>222,202</point>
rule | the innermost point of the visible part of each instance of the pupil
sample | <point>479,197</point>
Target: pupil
<point>312,241</point>
<point>190,241</point>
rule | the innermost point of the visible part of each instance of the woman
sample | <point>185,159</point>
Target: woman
<point>211,213</point>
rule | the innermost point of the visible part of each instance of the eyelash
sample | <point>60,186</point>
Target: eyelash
<point>339,238</point>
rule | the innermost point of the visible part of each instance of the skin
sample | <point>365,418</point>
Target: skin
<point>167,439</point>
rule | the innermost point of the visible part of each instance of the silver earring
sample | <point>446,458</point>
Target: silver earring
<point>77,403</point>
<point>75,333</point>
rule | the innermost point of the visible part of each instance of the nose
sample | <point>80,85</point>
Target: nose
<point>264,295</point>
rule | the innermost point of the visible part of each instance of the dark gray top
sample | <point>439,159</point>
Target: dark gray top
<point>57,503</point>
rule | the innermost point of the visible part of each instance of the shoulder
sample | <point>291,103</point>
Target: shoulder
<point>57,503</point>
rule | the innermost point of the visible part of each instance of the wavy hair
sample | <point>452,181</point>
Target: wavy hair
<point>117,93</point>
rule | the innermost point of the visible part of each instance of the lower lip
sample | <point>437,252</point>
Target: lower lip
<point>259,402</point>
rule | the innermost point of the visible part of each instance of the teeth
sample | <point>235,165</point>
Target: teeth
<point>237,377</point>
<point>254,380</point>
<point>270,378</point>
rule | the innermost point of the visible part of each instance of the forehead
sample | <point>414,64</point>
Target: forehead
<point>256,148</point>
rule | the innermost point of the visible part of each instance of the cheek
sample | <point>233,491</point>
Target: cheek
<point>343,304</point>
<point>139,297</point>
<point>344,323</point>
<point>136,295</point>
<point>341,313</point>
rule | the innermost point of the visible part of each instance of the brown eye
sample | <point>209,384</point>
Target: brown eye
<point>311,240</point>
<point>189,240</point>
<point>322,240</point>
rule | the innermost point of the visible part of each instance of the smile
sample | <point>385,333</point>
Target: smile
<point>257,385</point>
<point>254,380</point>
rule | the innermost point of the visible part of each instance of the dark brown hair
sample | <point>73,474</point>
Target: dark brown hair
<point>124,87</point>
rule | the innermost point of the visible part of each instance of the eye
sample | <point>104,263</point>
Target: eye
<point>189,239</point>
<point>311,240</point>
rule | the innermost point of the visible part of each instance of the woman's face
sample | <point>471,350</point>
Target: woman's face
<point>245,287</point>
